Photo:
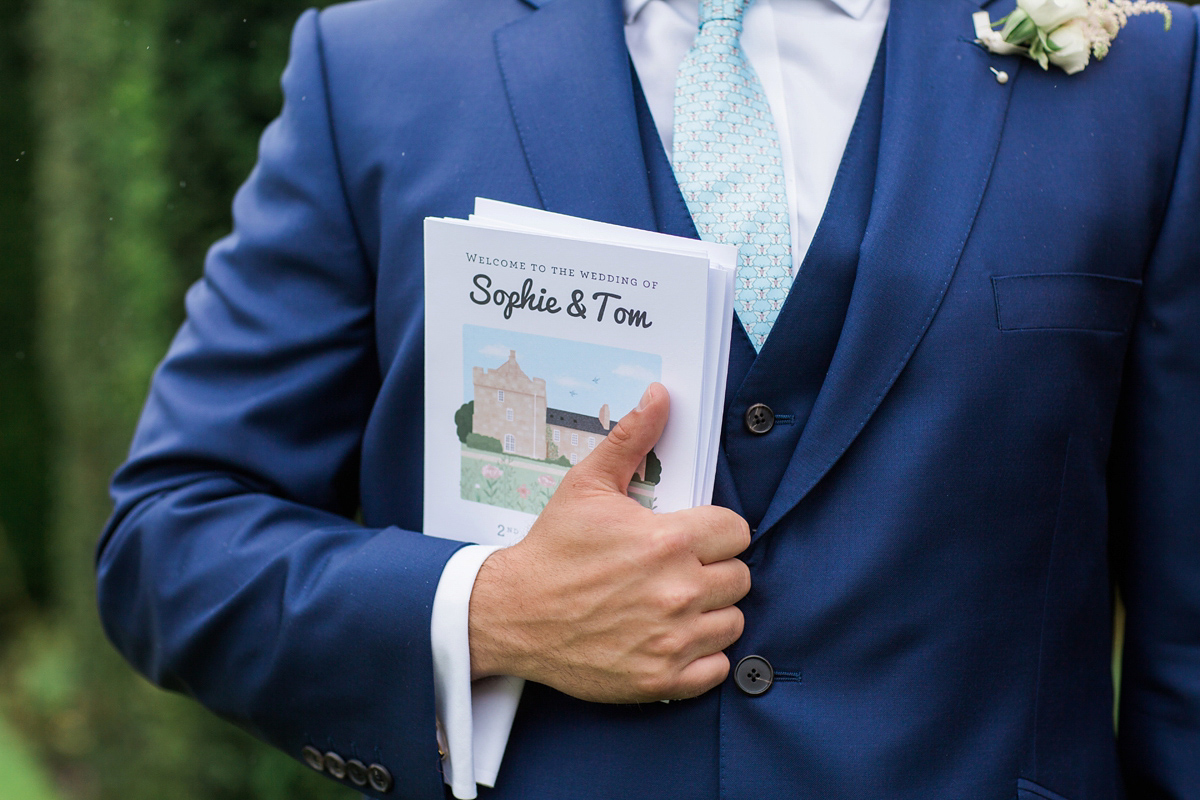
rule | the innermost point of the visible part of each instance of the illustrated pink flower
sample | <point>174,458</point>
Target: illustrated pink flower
<point>546,481</point>
<point>491,471</point>
<point>523,490</point>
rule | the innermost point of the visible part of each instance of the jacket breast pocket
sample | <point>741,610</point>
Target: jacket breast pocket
<point>1065,301</point>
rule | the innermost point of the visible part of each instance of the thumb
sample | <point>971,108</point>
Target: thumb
<point>619,454</point>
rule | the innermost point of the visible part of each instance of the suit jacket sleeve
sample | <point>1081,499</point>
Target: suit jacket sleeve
<point>231,569</point>
<point>1155,510</point>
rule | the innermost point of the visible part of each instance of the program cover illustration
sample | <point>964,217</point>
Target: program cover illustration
<point>534,406</point>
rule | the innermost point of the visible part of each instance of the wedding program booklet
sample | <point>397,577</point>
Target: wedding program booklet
<point>541,332</point>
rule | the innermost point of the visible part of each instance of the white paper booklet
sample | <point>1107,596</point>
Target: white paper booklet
<point>541,331</point>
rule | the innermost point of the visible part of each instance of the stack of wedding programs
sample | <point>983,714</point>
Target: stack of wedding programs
<point>541,332</point>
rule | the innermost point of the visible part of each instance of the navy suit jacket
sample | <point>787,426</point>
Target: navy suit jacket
<point>1010,421</point>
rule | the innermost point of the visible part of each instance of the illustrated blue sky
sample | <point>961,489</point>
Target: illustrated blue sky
<point>596,374</point>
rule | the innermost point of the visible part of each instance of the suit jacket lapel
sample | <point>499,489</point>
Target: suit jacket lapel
<point>567,75</point>
<point>943,114</point>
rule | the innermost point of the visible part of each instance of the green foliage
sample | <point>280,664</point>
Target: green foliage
<point>23,776</point>
<point>487,444</point>
<point>653,469</point>
<point>219,66</point>
<point>464,418</point>
<point>553,456</point>
<point>145,115</point>
<point>24,560</point>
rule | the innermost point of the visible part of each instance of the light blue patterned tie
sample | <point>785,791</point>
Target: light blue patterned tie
<point>728,164</point>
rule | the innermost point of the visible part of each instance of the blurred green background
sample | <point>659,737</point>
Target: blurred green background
<point>127,125</point>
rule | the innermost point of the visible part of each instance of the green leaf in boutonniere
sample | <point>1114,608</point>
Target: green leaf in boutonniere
<point>1066,33</point>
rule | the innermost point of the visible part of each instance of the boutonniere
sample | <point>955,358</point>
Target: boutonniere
<point>1066,33</point>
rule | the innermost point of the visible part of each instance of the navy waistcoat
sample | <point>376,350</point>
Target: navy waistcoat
<point>789,371</point>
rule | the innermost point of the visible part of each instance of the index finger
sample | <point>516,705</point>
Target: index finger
<point>718,533</point>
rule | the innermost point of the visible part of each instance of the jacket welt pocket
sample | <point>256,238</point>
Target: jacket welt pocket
<point>1028,790</point>
<point>1065,301</point>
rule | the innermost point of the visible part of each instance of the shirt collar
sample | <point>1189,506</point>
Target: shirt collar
<point>633,8</point>
<point>853,8</point>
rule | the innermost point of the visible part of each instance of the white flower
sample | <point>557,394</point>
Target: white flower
<point>991,39</point>
<point>1066,33</point>
<point>1049,14</point>
<point>1074,49</point>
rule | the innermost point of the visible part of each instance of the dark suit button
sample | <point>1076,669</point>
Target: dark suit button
<point>335,765</point>
<point>760,418</point>
<point>356,771</point>
<point>313,757</point>
<point>380,778</point>
<point>753,675</point>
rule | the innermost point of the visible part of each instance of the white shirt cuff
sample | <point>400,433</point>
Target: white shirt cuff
<point>474,719</point>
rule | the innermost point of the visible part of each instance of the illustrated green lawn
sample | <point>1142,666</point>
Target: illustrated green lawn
<point>521,484</point>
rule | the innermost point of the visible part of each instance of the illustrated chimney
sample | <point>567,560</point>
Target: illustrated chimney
<point>604,416</point>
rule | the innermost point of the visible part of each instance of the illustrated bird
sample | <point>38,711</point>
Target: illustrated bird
<point>595,380</point>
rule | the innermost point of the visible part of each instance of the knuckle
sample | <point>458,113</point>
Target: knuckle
<point>744,529</point>
<point>729,524</point>
<point>670,540</point>
<point>710,517</point>
<point>722,670</point>
<point>677,600</point>
<point>713,676</point>
<point>656,684</point>
<point>737,625</point>
<point>738,528</point>
<point>744,580</point>
<point>669,646</point>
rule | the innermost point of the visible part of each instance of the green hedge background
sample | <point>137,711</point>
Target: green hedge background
<point>126,127</point>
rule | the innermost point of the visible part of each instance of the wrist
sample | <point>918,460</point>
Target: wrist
<point>492,644</point>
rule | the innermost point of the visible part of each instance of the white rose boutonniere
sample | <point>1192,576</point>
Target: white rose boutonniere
<point>1066,33</point>
<point>1049,14</point>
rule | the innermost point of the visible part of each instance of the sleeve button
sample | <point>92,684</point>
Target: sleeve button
<point>380,778</point>
<point>312,757</point>
<point>335,765</point>
<point>356,771</point>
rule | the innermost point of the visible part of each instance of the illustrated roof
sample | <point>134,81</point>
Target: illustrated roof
<point>511,370</point>
<point>579,422</point>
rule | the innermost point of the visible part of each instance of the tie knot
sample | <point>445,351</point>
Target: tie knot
<point>728,10</point>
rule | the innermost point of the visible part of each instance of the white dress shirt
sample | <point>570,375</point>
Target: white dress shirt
<point>813,58</point>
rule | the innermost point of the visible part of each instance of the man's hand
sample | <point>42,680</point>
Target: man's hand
<point>604,599</point>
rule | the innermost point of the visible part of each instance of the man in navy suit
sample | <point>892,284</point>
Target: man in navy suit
<point>986,391</point>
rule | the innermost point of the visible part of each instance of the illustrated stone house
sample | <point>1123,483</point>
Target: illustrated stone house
<point>511,408</point>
